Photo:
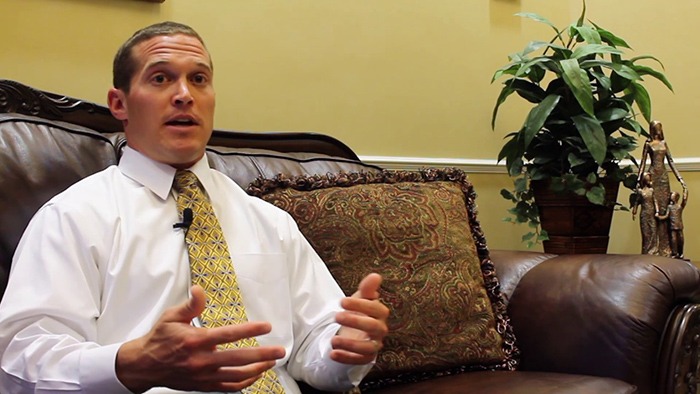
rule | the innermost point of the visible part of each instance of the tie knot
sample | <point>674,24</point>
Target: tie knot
<point>185,180</point>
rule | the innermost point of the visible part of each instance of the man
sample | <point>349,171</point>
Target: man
<point>99,299</point>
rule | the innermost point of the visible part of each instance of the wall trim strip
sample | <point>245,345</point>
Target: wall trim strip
<point>483,166</point>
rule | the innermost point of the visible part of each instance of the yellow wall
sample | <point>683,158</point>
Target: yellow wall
<point>388,77</point>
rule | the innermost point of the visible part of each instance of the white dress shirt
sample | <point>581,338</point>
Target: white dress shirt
<point>100,262</point>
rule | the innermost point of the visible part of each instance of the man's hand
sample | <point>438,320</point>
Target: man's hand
<point>174,354</point>
<point>363,324</point>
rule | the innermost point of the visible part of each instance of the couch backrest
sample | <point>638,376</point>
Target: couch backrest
<point>49,141</point>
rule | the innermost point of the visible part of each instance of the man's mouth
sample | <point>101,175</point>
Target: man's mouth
<point>181,121</point>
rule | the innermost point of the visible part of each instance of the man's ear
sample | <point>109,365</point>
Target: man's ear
<point>116,101</point>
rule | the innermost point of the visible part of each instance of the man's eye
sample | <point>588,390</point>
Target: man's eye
<point>159,78</point>
<point>199,79</point>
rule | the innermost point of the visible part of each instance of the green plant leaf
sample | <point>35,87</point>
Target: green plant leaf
<point>619,84</point>
<point>593,136</point>
<point>644,70</point>
<point>505,92</point>
<point>626,72</point>
<point>611,114</point>
<point>514,165</point>
<point>560,52</point>
<point>528,236</point>
<point>641,97</point>
<point>582,17</point>
<point>573,183</point>
<point>541,61</point>
<point>557,185</point>
<point>538,18</point>
<point>509,69</point>
<point>622,70</point>
<point>592,178</point>
<point>527,90</point>
<point>594,49</point>
<point>533,46</point>
<point>533,223</point>
<point>541,19</point>
<point>574,160</point>
<point>507,195</point>
<point>536,175</point>
<point>517,57</point>
<point>537,116</point>
<point>610,38</point>
<point>642,57</point>
<point>520,184</point>
<point>586,64</point>
<point>589,34</point>
<point>536,74</point>
<point>602,79</point>
<point>596,194</point>
<point>578,82</point>
<point>620,148</point>
<point>510,149</point>
<point>633,125</point>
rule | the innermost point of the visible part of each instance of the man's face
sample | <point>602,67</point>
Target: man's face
<point>168,114</point>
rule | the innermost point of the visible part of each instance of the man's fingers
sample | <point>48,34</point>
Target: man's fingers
<point>240,374</point>
<point>372,308</point>
<point>235,332</point>
<point>228,379</point>
<point>364,326</point>
<point>364,315</point>
<point>249,356</point>
<point>236,369</point>
<point>368,347</point>
<point>235,387</point>
<point>345,357</point>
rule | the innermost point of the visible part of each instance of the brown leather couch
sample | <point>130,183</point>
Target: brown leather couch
<point>583,323</point>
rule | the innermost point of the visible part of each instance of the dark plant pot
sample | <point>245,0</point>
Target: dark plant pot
<point>574,224</point>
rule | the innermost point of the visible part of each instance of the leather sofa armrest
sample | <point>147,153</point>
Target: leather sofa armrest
<point>512,265</point>
<point>602,315</point>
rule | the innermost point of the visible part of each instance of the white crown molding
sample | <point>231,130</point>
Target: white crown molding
<point>482,166</point>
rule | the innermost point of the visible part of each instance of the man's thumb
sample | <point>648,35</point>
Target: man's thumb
<point>369,287</point>
<point>189,309</point>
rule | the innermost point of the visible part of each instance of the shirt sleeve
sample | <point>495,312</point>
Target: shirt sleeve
<point>48,329</point>
<point>317,298</point>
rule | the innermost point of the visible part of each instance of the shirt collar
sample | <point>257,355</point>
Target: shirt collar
<point>158,177</point>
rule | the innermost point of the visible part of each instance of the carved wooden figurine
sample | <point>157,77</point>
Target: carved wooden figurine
<point>647,215</point>
<point>659,155</point>
<point>674,214</point>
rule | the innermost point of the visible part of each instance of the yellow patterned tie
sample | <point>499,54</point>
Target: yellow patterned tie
<point>211,267</point>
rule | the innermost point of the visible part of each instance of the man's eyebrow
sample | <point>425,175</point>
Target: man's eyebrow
<point>159,63</point>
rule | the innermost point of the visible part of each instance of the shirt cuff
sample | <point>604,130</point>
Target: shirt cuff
<point>347,375</point>
<point>358,372</point>
<point>98,370</point>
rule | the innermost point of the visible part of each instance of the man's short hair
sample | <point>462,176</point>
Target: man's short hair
<point>124,65</point>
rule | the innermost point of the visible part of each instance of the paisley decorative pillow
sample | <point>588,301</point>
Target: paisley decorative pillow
<point>419,230</point>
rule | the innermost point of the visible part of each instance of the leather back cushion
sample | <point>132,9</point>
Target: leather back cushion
<point>420,231</point>
<point>39,160</point>
<point>244,165</point>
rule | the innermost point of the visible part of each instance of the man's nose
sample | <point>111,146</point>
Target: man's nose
<point>182,94</point>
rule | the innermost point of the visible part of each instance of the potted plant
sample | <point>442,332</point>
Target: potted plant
<point>583,122</point>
